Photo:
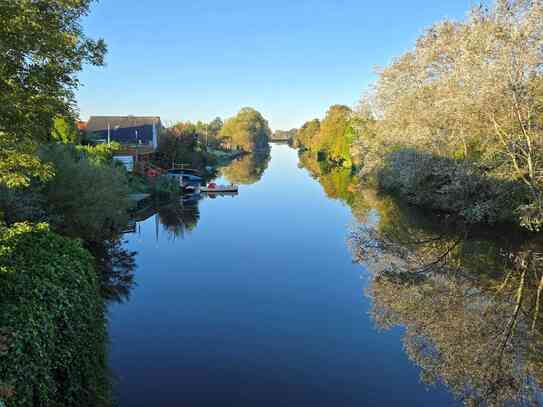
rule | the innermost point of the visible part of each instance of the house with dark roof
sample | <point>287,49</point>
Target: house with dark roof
<point>125,130</point>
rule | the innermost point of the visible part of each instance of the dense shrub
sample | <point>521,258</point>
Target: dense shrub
<point>137,184</point>
<point>52,324</point>
<point>21,204</point>
<point>100,154</point>
<point>449,185</point>
<point>176,146</point>
<point>85,198</point>
<point>165,188</point>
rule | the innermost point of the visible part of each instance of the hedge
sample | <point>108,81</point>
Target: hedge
<point>52,322</point>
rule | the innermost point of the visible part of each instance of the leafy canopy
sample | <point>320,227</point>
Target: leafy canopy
<point>247,131</point>
<point>42,48</point>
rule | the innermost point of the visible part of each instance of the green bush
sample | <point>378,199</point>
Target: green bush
<point>165,188</point>
<point>99,154</point>
<point>52,322</point>
<point>450,185</point>
<point>86,198</point>
<point>137,184</point>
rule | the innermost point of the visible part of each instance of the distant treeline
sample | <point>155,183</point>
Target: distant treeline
<point>199,144</point>
<point>284,135</point>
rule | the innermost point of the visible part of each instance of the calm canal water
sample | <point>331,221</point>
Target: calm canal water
<point>255,300</point>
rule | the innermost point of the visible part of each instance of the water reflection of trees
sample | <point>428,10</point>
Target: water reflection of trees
<point>248,169</point>
<point>179,218</point>
<point>338,182</point>
<point>115,266</point>
<point>469,301</point>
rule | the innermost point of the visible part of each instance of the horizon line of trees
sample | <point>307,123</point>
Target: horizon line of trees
<point>200,144</point>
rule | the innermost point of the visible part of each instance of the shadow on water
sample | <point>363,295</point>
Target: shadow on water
<point>469,299</point>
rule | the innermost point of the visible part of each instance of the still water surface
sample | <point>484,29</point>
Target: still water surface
<point>255,301</point>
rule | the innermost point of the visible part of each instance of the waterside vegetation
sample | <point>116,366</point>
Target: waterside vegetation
<point>456,123</point>
<point>64,203</point>
<point>459,117</point>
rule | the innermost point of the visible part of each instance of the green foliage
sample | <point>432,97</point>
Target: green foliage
<point>451,185</point>
<point>64,130</point>
<point>247,131</point>
<point>86,198</point>
<point>42,48</point>
<point>214,127</point>
<point>165,188</point>
<point>19,163</point>
<point>137,184</point>
<point>305,135</point>
<point>332,139</point>
<point>202,134</point>
<point>21,204</point>
<point>180,145</point>
<point>100,154</point>
<point>52,322</point>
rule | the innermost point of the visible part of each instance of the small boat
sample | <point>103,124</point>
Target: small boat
<point>188,188</point>
<point>185,176</point>
<point>217,189</point>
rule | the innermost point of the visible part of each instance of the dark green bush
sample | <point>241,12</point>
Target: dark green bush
<point>450,185</point>
<point>165,188</point>
<point>137,184</point>
<point>86,198</point>
<point>52,323</point>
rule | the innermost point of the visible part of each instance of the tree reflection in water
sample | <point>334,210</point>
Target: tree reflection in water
<point>248,169</point>
<point>469,299</point>
<point>179,218</point>
<point>115,266</point>
<point>469,304</point>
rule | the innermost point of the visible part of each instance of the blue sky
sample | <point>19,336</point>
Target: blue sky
<point>291,60</point>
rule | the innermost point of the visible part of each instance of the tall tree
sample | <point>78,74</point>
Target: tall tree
<point>215,126</point>
<point>335,136</point>
<point>306,133</point>
<point>42,48</point>
<point>472,91</point>
<point>248,131</point>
